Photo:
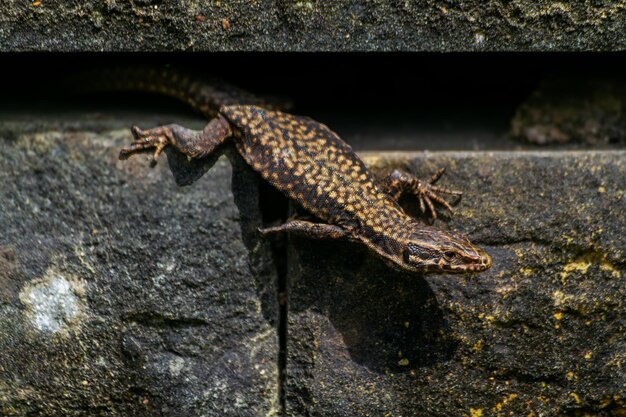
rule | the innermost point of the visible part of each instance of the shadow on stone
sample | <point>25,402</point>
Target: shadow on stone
<point>390,321</point>
<point>245,189</point>
<point>246,193</point>
<point>187,171</point>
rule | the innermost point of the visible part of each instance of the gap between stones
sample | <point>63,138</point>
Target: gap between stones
<point>275,209</point>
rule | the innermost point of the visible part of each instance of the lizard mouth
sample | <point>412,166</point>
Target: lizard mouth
<point>476,260</point>
<point>481,264</point>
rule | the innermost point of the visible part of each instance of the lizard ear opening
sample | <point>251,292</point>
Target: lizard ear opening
<point>406,256</point>
<point>411,256</point>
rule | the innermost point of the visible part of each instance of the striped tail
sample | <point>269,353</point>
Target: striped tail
<point>206,96</point>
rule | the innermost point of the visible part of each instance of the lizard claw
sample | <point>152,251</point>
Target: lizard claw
<point>156,139</point>
<point>427,193</point>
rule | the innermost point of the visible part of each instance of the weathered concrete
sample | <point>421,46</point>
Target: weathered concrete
<point>122,293</point>
<point>307,25</point>
<point>539,334</point>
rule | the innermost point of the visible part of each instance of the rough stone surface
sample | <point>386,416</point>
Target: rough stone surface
<point>308,25</point>
<point>539,334</point>
<point>122,293</point>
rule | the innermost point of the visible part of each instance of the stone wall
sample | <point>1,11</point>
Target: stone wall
<point>124,293</point>
<point>310,25</point>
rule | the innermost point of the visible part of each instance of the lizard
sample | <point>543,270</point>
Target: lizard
<point>315,168</point>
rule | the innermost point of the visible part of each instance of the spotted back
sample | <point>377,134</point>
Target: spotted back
<point>311,165</point>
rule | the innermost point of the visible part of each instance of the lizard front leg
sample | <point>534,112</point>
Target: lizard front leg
<point>309,229</point>
<point>193,143</point>
<point>400,182</point>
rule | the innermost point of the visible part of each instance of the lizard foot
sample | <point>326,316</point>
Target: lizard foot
<point>400,182</point>
<point>157,139</point>
<point>426,192</point>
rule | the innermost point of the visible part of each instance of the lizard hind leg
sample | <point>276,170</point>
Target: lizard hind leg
<point>400,182</point>
<point>308,229</point>
<point>193,143</point>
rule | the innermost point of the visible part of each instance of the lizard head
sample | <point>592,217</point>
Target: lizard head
<point>421,248</point>
<point>433,250</point>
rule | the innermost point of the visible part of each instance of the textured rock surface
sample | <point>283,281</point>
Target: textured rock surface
<point>539,334</point>
<point>122,293</point>
<point>308,25</point>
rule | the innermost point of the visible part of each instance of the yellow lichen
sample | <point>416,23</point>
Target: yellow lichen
<point>582,264</point>
<point>506,289</point>
<point>526,271</point>
<point>477,346</point>
<point>505,401</point>
<point>476,412</point>
<point>575,397</point>
<point>560,298</point>
<point>609,267</point>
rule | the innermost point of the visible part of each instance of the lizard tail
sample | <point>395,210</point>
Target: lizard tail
<point>204,95</point>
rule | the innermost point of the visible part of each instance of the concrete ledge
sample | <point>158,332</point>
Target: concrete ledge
<point>122,293</point>
<point>307,25</point>
<point>539,333</point>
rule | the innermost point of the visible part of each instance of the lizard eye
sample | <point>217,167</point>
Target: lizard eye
<point>449,255</point>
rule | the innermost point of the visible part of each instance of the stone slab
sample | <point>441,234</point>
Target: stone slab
<point>307,25</point>
<point>122,293</point>
<point>539,334</point>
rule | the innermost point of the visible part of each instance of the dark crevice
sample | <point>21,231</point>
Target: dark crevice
<point>156,320</point>
<point>415,102</point>
<point>274,210</point>
<point>261,205</point>
<point>282,332</point>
